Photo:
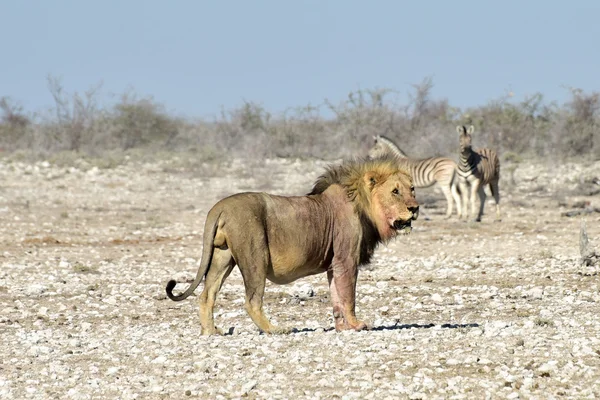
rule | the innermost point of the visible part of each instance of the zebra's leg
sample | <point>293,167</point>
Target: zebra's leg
<point>474,191</point>
<point>496,193</point>
<point>447,190</point>
<point>464,192</point>
<point>456,196</point>
<point>482,197</point>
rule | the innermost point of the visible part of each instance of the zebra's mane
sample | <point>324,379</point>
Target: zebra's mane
<point>391,146</point>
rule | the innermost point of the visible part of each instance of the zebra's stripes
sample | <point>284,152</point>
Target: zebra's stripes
<point>425,172</point>
<point>475,170</point>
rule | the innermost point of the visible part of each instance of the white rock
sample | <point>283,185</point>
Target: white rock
<point>110,300</point>
<point>535,293</point>
<point>248,386</point>
<point>112,370</point>
<point>549,366</point>
<point>303,291</point>
<point>381,284</point>
<point>35,289</point>
<point>436,298</point>
<point>86,326</point>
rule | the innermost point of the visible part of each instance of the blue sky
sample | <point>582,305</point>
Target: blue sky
<point>197,56</point>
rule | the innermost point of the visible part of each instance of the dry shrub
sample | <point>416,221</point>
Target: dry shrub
<point>423,127</point>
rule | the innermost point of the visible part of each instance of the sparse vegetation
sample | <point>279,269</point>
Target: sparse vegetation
<point>84,269</point>
<point>543,322</point>
<point>82,124</point>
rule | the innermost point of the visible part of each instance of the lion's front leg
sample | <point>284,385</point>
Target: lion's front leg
<point>338,316</point>
<point>342,285</point>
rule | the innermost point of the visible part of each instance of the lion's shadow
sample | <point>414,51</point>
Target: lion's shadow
<point>422,326</point>
<point>395,327</point>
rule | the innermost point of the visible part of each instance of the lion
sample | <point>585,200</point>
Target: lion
<point>335,228</point>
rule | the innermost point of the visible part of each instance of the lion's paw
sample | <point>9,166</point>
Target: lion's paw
<point>213,331</point>
<point>344,326</point>
<point>360,326</point>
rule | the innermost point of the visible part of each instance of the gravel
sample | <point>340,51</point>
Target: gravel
<point>457,310</point>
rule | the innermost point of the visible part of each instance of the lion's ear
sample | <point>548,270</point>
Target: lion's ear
<point>371,179</point>
<point>471,130</point>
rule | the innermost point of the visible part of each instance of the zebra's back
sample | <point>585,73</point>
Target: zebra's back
<point>484,164</point>
<point>488,168</point>
<point>427,171</point>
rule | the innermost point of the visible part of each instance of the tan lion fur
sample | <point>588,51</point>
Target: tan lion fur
<point>349,174</point>
<point>352,207</point>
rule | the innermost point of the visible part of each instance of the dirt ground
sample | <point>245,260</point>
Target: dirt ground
<point>457,310</point>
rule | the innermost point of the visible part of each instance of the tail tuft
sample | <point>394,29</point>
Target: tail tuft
<point>170,286</point>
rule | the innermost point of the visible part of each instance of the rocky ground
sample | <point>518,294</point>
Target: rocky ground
<point>457,310</point>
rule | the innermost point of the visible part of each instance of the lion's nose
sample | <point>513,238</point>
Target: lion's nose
<point>414,210</point>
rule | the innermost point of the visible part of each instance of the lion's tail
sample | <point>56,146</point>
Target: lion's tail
<point>210,229</point>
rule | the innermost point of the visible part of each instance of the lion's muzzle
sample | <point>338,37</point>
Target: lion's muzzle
<point>403,226</point>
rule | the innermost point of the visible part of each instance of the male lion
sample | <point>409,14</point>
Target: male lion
<point>334,229</point>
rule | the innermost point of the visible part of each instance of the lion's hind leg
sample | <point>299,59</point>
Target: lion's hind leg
<point>220,267</point>
<point>254,272</point>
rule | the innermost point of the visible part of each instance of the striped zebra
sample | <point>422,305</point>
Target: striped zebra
<point>425,172</point>
<point>475,170</point>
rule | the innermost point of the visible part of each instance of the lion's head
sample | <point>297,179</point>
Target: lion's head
<point>382,192</point>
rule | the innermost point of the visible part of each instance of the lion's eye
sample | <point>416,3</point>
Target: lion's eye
<point>395,191</point>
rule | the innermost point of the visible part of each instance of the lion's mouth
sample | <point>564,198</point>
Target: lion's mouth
<point>402,226</point>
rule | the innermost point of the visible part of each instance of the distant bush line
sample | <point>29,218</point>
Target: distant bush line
<point>422,127</point>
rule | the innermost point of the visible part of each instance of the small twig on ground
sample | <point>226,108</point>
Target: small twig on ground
<point>574,213</point>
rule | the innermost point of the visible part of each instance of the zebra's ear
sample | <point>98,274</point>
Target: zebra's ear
<point>460,129</point>
<point>471,130</point>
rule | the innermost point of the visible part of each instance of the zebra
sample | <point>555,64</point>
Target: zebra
<point>425,172</point>
<point>476,169</point>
